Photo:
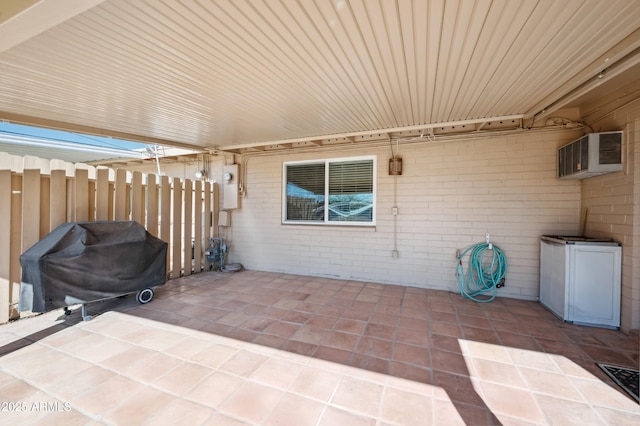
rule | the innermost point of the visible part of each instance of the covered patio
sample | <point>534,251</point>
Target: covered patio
<point>267,348</point>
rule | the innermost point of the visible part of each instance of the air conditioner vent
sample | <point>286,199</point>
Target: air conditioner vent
<point>593,154</point>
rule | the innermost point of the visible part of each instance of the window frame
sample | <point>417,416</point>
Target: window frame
<point>326,221</point>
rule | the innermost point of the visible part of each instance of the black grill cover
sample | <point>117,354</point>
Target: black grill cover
<point>88,261</point>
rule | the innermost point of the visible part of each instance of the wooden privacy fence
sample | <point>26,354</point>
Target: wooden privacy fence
<point>37,195</point>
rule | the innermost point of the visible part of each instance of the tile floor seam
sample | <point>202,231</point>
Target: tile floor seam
<point>382,401</point>
<point>222,402</point>
<point>234,417</point>
<point>272,410</point>
<point>322,414</point>
<point>584,401</point>
<point>155,386</point>
<point>593,405</point>
<point>116,339</point>
<point>268,385</point>
<point>96,417</point>
<point>582,354</point>
<point>522,418</point>
<point>430,337</point>
<point>35,386</point>
<point>116,408</point>
<point>563,398</point>
<point>550,420</point>
<point>153,420</point>
<point>620,410</point>
<point>573,386</point>
<point>350,410</point>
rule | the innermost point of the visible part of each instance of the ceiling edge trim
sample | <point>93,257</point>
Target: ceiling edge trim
<point>616,60</point>
<point>67,146</point>
<point>371,132</point>
<point>95,131</point>
<point>38,17</point>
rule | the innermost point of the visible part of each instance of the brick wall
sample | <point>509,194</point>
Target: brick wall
<point>613,205</point>
<point>450,194</point>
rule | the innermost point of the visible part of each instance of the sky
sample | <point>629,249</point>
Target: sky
<point>58,135</point>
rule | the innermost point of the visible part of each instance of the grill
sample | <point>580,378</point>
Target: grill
<point>82,262</point>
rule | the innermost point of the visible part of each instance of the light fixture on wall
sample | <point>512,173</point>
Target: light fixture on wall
<point>395,162</point>
<point>202,173</point>
<point>395,166</point>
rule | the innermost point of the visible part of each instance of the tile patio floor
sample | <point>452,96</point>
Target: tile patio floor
<point>273,349</point>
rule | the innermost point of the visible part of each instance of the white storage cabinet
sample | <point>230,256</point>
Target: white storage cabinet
<point>580,279</point>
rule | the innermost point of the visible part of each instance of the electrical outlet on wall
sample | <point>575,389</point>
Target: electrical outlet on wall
<point>395,254</point>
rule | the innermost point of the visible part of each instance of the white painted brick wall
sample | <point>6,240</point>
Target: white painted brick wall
<point>613,204</point>
<point>450,194</point>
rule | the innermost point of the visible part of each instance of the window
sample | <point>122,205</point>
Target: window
<point>338,191</point>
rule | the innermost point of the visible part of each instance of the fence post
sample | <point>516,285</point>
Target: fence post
<point>5,238</point>
<point>102,194</point>
<point>188,222</point>
<point>165,216</point>
<point>208,219</point>
<point>152,205</point>
<point>45,205</point>
<point>81,185</point>
<point>121,200</point>
<point>30,203</point>
<point>16,236</point>
<point>177,225</point>
<point>197,244</point>
<point>58,194</point>
<point>136,196</point>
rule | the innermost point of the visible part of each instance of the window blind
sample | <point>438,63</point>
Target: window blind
<point>351,191</point>
<point>305,192</point>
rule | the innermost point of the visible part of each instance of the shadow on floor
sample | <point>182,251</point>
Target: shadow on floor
<point>422,335</point>
<point>463,348</point>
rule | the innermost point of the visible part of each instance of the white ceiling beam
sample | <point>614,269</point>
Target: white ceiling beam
<point>22,20</point>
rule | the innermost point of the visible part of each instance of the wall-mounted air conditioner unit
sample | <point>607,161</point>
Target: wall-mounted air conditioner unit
<point>592,155</point>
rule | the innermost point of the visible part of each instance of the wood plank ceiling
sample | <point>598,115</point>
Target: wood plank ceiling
<point>235,74</point>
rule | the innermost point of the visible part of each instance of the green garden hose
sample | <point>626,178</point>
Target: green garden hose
<point>487,269</point>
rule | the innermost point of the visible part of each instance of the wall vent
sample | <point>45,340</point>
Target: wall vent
<point>591,155</point>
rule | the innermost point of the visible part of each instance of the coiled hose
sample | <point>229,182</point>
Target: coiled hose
<point>482,277</point>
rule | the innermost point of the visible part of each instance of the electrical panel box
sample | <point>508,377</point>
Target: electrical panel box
<point>224,218</point>
<point>230,187</point>
<point>592,155</point>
